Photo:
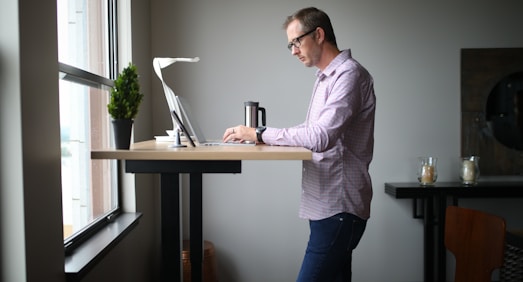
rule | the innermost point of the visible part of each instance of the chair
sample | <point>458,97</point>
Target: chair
<point>512,269</point>
<point>477,240</point>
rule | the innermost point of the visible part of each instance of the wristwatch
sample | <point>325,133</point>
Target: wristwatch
<point>259,131</point>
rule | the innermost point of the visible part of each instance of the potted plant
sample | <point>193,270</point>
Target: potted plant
<point>123,105</point>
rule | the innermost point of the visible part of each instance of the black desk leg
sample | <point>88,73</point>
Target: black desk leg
<point>428,224</point>
<point>442,251</point>
<point>196,230</point>
<point>170,209</point>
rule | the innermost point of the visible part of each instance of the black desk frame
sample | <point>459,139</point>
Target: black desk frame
<point>434,201</point>
<point>170,171</point>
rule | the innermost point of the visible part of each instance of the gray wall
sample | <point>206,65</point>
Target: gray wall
<point>413,50</point>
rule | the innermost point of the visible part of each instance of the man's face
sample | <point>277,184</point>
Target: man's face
<point>302,44</point>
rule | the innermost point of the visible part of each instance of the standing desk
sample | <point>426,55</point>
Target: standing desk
<point>429,204</point>
<point>157,157</point>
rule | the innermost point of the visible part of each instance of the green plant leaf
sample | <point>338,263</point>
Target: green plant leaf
<point>125,95</point>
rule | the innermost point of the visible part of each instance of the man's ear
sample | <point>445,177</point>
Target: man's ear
<point>320,35</point>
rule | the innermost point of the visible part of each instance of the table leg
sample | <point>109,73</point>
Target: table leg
<point>442,251</point>
<point>196,230</point>
<point>170,217</point>
<point>428,224</point>
<point>170,210</point>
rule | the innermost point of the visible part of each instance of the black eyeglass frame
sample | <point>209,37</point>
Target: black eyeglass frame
<point>296,41</point>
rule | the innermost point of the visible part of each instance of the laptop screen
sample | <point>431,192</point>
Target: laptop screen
<point>186,113</point>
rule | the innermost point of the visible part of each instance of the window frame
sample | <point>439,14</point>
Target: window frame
<point>86,78</point>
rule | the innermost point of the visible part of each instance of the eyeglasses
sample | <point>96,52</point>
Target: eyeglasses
<point>296,41</point>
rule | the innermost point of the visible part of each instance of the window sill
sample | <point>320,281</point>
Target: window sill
<point>95,248</point>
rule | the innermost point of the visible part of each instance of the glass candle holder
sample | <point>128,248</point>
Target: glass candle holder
<point>427,170</point>
<point>469,170</point>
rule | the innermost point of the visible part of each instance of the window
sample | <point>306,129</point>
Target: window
<point>86,52</point>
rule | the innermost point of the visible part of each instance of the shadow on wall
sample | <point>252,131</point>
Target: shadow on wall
<point>226,266</point>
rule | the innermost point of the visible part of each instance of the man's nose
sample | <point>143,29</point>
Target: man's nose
<point>294,50</point>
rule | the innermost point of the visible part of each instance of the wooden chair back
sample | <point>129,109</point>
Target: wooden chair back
<point>477,240</point>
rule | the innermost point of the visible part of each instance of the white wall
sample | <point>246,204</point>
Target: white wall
<point>11,246</point>
<point>412,48</point>
<point>30,145</point>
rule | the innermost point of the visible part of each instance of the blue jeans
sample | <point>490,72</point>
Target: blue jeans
<point>329,252</point>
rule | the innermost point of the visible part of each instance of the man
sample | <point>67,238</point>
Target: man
<point>339,129</point>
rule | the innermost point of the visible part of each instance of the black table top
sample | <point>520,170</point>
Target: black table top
<point>490,189</point>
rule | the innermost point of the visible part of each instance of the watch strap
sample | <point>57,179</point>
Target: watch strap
<point>259,131</point>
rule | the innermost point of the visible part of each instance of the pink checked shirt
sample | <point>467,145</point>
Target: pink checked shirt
<point>339,129</point>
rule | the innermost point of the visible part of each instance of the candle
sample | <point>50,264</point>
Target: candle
<point>468,172</point>
<point>427,174</point>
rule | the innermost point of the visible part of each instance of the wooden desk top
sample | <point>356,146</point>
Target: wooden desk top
<point>152,150</point>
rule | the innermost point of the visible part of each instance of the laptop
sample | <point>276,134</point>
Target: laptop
<point>186,112</point>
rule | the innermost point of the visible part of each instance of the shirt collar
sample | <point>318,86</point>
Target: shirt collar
<point>334,64</point>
